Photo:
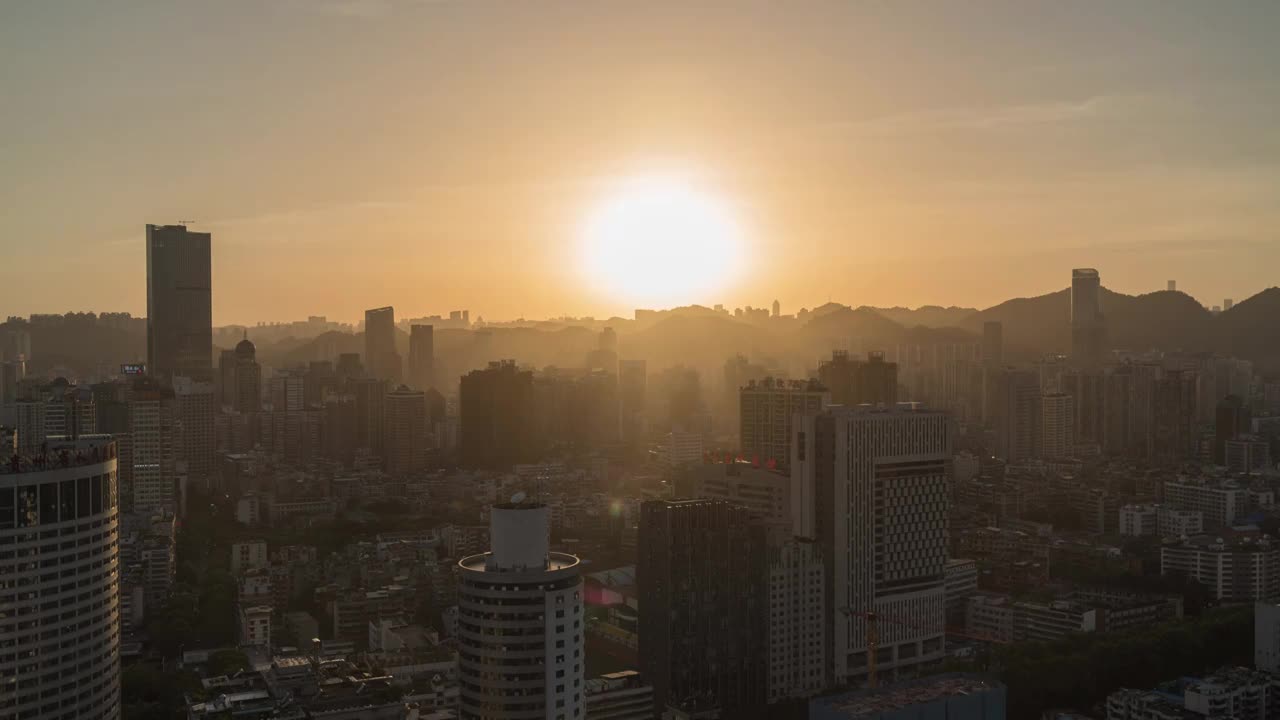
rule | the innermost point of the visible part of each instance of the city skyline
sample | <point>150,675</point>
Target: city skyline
<point>904,156</point>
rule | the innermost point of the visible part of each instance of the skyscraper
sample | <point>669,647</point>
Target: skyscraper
<point>370,400</point>
<point>857,382</point>
<point>380,356</point>
<point>766,410</point>
<point>521,623</point>
<point>62,637</point>
<point>496,413</point>
<point>1017,415</point>
<point>701,571</point>
<point>1088,325</point>
<point>179,303</point>
<point>1057,425</point>
<point>148,452</point>
<point>241,377</point>
<point>195,436</point>
<point>404,446</point>
<point>877,483</point>
<point>1086,389</point>
<point>1231,419</point>
<point>422,356</point>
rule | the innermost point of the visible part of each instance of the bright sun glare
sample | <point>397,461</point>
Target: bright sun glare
<point>661,241</point>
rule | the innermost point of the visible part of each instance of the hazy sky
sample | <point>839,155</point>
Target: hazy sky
<point>436,155</point>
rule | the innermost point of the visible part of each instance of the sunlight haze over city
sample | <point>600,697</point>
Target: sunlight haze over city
<point>432,154</point>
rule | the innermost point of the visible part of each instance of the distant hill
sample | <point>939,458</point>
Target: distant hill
<point>1165,320</point>
<point>932,316</point>
<point>1251,329</point>
<point>703,338</point>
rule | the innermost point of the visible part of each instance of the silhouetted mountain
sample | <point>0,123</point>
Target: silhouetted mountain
<point>844,327</point>
<point>1251,329</point>
<point>932,316</point>
<point>1037,324</point>
<point>1160,320</point>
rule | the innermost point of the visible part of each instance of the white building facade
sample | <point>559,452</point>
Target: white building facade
<point>520,623</point>
<point>60,632</point>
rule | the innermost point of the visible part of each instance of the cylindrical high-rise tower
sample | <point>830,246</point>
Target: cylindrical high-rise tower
<point>520,624</point>
<point>60,582</point>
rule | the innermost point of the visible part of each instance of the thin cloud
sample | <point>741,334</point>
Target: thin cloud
<point>998,117</point>
<point>362,9</point>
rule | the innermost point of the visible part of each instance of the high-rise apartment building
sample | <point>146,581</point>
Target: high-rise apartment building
<point>147,452</point>
<point>1017,415</point>
<point>61,638</point>
<point>179,303</point>
<point>241,378</point>
<point>856,382</point>
<point>1174,432</point>
<point>404,446</point>
<point>369,396</point>
<point>380,356</point>
<point>1088,325</point>
<point>765,492</point>
<point>876,481</point>
<point>497,416</point>
<point>422,356</point>
<point>1231,420</point>
<point>521,625</point>
<point>288,392</point>
<point>702,577</point>
<point>1088,401</point>
<point>797,644</point>
<point>766,412</point>
<point>195,437</point>
<point>1057,425</point>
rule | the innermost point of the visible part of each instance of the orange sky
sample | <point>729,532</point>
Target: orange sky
<point>435,155</point>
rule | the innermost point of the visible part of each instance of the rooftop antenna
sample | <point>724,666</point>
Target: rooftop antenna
<point>185,223</point>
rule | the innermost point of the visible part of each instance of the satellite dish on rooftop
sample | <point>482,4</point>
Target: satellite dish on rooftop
<point>517,498</point>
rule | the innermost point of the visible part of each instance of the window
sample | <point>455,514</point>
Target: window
<point>28,506</point>
<point>96,493</point>
<point>82,497</point>
<point>6,508</point>
<point>49,502</point>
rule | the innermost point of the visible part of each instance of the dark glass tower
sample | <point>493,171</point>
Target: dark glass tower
<point>179,304</point>
<point>703,581</point>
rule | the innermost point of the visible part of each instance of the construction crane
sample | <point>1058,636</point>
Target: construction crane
<point>873,640</point>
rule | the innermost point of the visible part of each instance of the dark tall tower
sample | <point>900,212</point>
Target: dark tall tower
<point>496,414</point>
<point>179,304</point>
<point>1017,415</point>
<point>422,356</point>
<point>380,356</point>
<point>701,571</point>
<point>370,397</point>
<point>855,382</point>
<point>1231,419</point>
<point>1088,326</point>
<point>241,378</point>
<point>404,431</point>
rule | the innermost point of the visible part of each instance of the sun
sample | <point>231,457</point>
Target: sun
<point>661,241</point>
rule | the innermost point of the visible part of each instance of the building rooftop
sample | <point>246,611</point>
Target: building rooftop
<point>63,452</point>
<point>870,703</point>
<point>555,561</point>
